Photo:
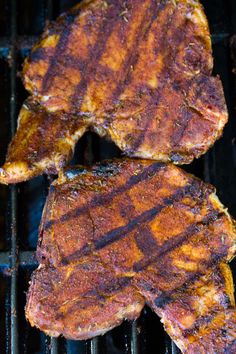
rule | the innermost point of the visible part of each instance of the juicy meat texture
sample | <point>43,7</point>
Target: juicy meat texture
<point>135,71</point>
<point>123,233</point>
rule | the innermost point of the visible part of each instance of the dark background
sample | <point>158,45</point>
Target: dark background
<point>21,206</point>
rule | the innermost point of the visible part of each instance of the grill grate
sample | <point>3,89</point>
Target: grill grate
<point>21,206</point>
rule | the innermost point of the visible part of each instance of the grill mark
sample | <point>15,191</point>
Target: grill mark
<point>144,238</point>
<point>56,26</point>
<point>155,101</point>
<point>166,297</point>
<point>113,286</point>
<point>72,62</point>
<point>120,232</point>
<point>192,278</point>
<point>162,300</point>
<point>38,54</point>
<point>60,48</point>
<point>131,60</point>
<point>107,198</point>
<point>172,244</point>
<point>96,53</point>
<point>46,211</point>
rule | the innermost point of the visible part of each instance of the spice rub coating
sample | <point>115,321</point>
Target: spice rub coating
<point>135,71</point>
<point>146,229</point>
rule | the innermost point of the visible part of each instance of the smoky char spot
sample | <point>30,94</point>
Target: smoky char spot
<point>84,251</point>
<point>162,301</point>
<point>223,332</point>
<point>226,300</point>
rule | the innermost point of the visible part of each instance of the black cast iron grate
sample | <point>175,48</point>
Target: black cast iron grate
<point>21,206</point>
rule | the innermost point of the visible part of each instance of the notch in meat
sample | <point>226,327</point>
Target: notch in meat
<point>138,72</point>
<point>145,229</point>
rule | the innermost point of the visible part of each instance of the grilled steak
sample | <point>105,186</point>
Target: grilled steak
<point>136,71</point>
<point>129,231</point>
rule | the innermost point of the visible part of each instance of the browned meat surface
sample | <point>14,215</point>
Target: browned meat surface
<point>44,142</point>
<point>81,300</point>
<point>140,228</point>
<point>201,316</point>
<point>136,71</point>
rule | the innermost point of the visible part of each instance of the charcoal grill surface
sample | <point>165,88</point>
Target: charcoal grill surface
<point>21,206</point>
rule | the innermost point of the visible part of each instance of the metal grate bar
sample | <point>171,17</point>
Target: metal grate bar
<point>13,190</point>
<point>21,43</point>
<point>174,348</point>
<point>49,10</point>
<point>54,346</point>
<point>94,346</point>
<point>26,258</point>
<point>218,37</point>
<point>134,338</point>
<point>88,160</point>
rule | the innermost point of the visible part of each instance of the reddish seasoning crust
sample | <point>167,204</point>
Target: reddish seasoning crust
<point>152,228</point>
<point>200,317</point>
<point>44,142</point>
<point>81,301</point>
<point>136,71</point>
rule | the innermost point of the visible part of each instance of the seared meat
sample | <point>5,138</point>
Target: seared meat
<point>133,227</point>
<point>81,300</point>
<point>201,317</point>
<point>44,142</point>
<point>136,71</point>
